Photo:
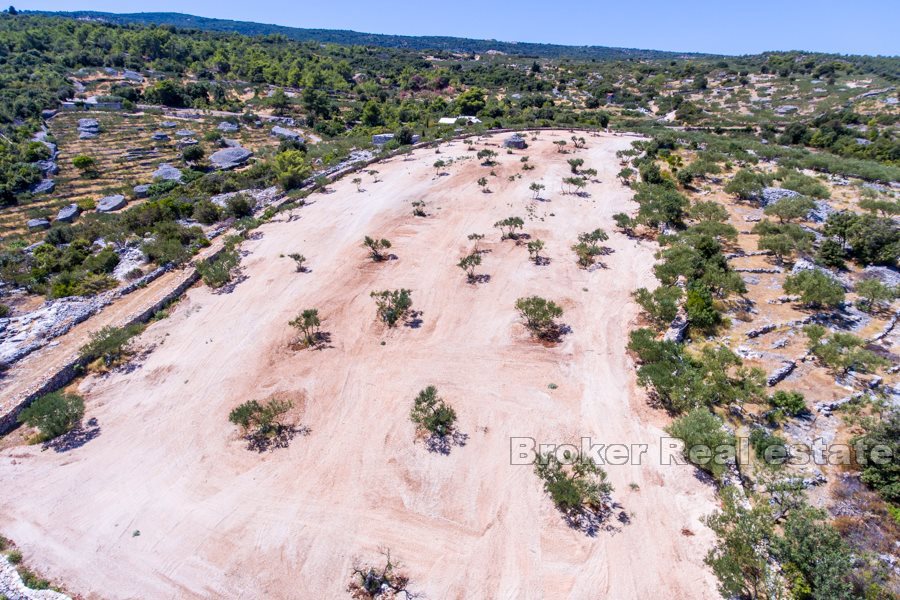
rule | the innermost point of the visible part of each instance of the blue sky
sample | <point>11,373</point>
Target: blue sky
<point>725,26</point>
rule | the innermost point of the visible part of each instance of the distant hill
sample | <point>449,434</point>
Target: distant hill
<point>344,37</point>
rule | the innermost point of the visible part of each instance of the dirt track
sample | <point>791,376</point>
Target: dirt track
<point>217,520</point>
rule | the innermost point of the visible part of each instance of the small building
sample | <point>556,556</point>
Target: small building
<point>454,120</point>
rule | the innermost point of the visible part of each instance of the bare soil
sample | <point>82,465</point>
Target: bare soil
<point>218,520</point>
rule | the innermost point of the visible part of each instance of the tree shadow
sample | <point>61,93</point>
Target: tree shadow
<point>541,261</point>
<point>442,444</point>
<point>322,341</point>
<point>414,321</point>
<point>76,438</point>
<point>592,520</point>
<point>280,438</point>
<point>229,287</point>
<point>479,278</point>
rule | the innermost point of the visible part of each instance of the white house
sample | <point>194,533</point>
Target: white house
<point>453,120</point>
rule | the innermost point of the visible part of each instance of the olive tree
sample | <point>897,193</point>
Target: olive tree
<point>508,227</point>
<point>540,315</point>
<point>299,259</point>
<point>468,264</point>
<point>432,414</point>
<point>536,189</point>
<point>307,323</point>
<point>393,305</point>
<point>534,250</point>
<point>815,288</point>
<point>487,156</point>
<point>575,483</point>
<point>376,247</point>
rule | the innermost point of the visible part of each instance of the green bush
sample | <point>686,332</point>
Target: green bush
<point>787,403</point>
<point>883,476</point>
<point>768,447</point>
<point>660,305</point>
<point>700,310</point>
<point>54,414</point>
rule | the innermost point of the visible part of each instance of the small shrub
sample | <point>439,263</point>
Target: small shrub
<point>308,323</point>
<point>110,344</point>
<point>217,271</point>
<point>299,260</point>
<point>376,247</point>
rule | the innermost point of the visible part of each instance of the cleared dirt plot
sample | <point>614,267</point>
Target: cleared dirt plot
<point>168,501</point>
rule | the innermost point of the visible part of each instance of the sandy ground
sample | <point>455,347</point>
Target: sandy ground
<point>217,520</point>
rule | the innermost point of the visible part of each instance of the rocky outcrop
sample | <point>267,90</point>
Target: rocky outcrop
<point>184,133</point>
<point>141,191</point>
<point>771,195</point>
<point>167,172</point>
<point>111,203</point>
<point>11,586</point>
<point>229,158</point>
<point>677,328</point>
<point>286,134</point>
<point>44,186</point>
<point>67,214</point>
<point>259,198</point>
<point>38,224</point>
<point>886,275</point>
<point>821,212</point>
<point>160,136</point>
<point>781,373</point>
<point>226,127</point>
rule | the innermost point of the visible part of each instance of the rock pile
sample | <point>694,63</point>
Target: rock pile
<point>11,586</point>
<point>88,129</point>
<point>770,195</point>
